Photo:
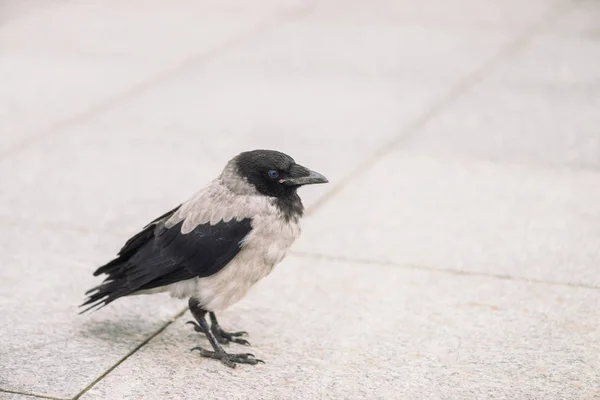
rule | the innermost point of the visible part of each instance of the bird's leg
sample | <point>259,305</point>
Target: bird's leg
<point>225,337</point>
<point>218,353</point>
<point>221,335</point>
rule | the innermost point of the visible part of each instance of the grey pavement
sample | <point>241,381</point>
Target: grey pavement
<point>454,255</point>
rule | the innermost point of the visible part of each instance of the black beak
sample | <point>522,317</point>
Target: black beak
<point>300,175</point>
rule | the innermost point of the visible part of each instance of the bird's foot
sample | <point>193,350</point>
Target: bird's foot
<point>229,359</point>
<point>222,336</point>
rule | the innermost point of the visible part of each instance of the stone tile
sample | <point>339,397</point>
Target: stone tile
<point>355,43</point>
<point>46,347</point>
<point>549,127</point>
<point>95,50</point>
<point>34,98</point>
<point>539,107</point>
<point>14,396</point>
<point>552,61</point>
<point>149,31</point>
<point>509,15</point>
<point>328,88</point>
<point>120,181</point>
<point>300,88</point>
<point>332,330</point>
<point>12,10</point>
<point>297,89</point>
<point>350,81</point>
<point>102,180</point>
<point>466,215</point>
<point>580,21</point>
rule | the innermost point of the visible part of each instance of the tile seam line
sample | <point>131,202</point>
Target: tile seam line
<point>317,256</point>
<point>462,86</point>
<point>39,396</point>
<point>173,319</point>
<point>268,22</point>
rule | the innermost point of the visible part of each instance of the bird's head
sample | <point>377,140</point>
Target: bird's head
<point>272,173</point>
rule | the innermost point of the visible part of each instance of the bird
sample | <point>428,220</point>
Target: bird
<point>213,247</point>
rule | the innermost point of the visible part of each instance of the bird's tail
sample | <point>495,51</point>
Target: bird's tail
<point>114,286</point>
<point>116,283</point>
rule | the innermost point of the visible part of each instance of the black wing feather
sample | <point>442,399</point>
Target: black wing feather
<point>158,256</point>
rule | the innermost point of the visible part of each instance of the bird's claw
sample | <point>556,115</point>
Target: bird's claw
<point>222,336</point>
<point>229,359</point>
<point>240,333</point>
<point>197,327</point>
<point>226,337</point>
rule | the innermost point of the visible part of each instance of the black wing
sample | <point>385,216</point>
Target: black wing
<point>158,256</point>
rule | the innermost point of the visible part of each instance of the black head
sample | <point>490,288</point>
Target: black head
<point>275,174</point>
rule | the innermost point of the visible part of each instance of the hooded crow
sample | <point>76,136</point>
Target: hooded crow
<point>215,246</point>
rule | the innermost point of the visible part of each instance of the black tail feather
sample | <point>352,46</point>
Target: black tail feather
<point>110,290</point>
<point>113,286</point>
<point>116,283</point>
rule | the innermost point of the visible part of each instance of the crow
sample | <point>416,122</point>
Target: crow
<point>215,246</point>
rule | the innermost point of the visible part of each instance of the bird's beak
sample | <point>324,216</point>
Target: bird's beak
<point>300,175</point>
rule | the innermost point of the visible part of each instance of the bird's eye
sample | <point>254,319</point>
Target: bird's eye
<point>273,174</point>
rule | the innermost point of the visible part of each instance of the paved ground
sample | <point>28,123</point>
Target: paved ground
<point>455,254</point>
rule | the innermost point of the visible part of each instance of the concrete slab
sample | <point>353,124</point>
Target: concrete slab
<point>34,98</point>
<point>330,111</point>
<point>507,15</point>
<point>139,30</point>
<point>580,21</point>
<point>46,347</point>
<point>333,330</point>
<point>14,396</point>
<point>367,46</point>
<point>552,60</point>
<point>539,107</point>
<point>350,77</point>
<point>329,83</point>
<point>12,10</point>
<point>532,125</point>
<point>466,215</point>
<point>89,61</point>
<point>123,179</point>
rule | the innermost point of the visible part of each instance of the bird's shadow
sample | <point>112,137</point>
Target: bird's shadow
<point>118,330</point>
